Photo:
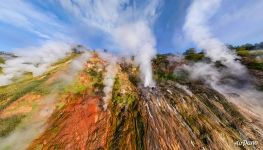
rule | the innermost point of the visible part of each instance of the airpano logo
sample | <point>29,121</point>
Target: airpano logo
<point>246,143</point>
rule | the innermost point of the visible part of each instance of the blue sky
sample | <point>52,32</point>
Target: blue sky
<point>25,23</point>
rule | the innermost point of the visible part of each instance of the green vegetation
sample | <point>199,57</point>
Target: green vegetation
<point>243,53</point>
<point>132,71</point>
<point>255,65</point>
<point>26,84</point>
<point>23,77</point>
<point>247,46</point>
<point>249,53</point>
<point>164,76</point>
<point>164,71</point>
<point>7,125</point>
<point>134,79</point>
<point>260,87</point>
<point>121,99</point>
<point>127,121</point>
<point>76,88</point>
<point>96,83</point>
<point>97,80</point>
<point>204,135</point>
<point>18,91</point>
<point>66,59</point>
<point>191,55</point>
<point>2,60</point>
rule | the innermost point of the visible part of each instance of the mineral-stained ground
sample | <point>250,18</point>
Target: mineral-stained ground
<point>54,111</point>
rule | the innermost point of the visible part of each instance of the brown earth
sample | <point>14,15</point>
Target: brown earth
<point>22,106</point>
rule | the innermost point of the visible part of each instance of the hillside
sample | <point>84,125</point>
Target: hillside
<point>70,107</point>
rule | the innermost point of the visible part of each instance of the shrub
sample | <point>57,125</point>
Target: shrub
<point>194,57</point>
<point>243,53</point>
<point>191,55</point>
<point>255,65</point>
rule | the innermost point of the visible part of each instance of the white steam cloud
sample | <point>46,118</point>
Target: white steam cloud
<point>109,79</point>
<point>35,59</point>
<point>127,24</point>
<point>196,28</point>
<point>138,40</point>
<point>76,66</point>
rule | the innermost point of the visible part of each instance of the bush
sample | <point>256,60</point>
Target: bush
<point>243,53</point>
<point>194,57</point>
<point>2,61</point>
<point>254,65</point>
<point>191,55</point>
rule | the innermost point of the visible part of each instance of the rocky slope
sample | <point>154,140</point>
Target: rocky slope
<point>52,111</point>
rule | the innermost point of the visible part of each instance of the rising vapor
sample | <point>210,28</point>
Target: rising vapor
<point>199,13</point>
<point>34,59</point>
<point>128,27</point>
<point>109,77</point>
<point>197,29</point>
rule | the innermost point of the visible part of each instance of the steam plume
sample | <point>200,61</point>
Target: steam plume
<point>76,66</point>
<point>109,78</point>
<point>138,40</point>
<point>34,59</point>
<point>127,26</point>
<point>196,28</point>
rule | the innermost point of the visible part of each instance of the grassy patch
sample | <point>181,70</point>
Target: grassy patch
<point>18,91</point>
<point>97,81</point>
<point>194,57</point>
<point>76,88</point>
<point>163,76</point>
<point>2,60</point>
<point>164,70</point>
<point>255,65</point>
<point>127,121</point>
<point>243,53</point>
<point>121,98</point>
<point>95,85</point>
<point>9,124</point>
<point>68,58</point>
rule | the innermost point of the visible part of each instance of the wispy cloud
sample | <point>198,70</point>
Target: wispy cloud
<point>241,21</point>
<point>23,14</point>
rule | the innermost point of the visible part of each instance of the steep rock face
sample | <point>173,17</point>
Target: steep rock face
<point>204,119</point>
